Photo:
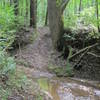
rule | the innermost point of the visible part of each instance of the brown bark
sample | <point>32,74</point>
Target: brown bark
<point>46,19</point>
<point>11,2</point>
<point>27,8</point>
<point>80,6</point>
<point>55,22</point>
<point>55,13</point>
<point>33,13</point>
<point>15,7</point>
<point>97,13</point>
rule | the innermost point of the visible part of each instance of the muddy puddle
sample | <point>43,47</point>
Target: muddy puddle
<point>68,89</point>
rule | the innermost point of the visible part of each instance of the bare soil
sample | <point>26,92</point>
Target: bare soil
<point>38,53</point>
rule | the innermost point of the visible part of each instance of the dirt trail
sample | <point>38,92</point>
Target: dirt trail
<point>38,56</point>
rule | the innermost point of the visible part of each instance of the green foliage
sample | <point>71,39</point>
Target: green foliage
<point>7,64</point>
<point>70,20</point>
<point>7,68</point>
<point>94,35</point>
<point>41,12</point>
<point>39,97</point>
<point>4,93</point>
<point>18,80</point>
<point>88,16</point>
<point>9,23</point>
<point>6,17</point>
<point>58,3</point>
<point>6,25</point>
<point>15,82</point>
<point>10,79</point>
<point>69,69</point>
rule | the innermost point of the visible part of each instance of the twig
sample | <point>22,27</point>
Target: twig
<point>77,63</point>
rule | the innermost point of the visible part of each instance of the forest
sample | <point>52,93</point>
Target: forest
<point>49,49</point>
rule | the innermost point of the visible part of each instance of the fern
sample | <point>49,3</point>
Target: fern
<point>7,64</point>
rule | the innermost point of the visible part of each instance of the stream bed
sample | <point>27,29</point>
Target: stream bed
<point>68,89</point>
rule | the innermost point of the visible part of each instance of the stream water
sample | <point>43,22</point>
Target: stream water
<point>68,89</point>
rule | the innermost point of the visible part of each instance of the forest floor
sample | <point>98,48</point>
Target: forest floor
<point>39,55</point>
<point>34,60</point>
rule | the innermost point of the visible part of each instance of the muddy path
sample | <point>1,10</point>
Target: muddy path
<point>37,56</point>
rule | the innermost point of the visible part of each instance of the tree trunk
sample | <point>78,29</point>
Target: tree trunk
<point>11,2</point>
<point>46,18</point>
<point>97,14</point>
<point>27,12</point>
<point>15,7</point>
<point>55,22</point>
<point>33,13</point>
<point>55,13</point>
<point>80,6</point>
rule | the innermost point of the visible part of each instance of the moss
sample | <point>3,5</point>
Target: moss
<point>22,62</point>
<point>58,3</point>
<point>61,71</point>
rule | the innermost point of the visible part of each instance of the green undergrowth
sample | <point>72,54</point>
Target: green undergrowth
<point>9,24</point>
<point>61,71</point>
<point>10,78</point>
<point>66,71</point>
<point>87,17</point>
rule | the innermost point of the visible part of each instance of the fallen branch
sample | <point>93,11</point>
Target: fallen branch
<point>77,66</point>
<point>82,50</point>
<point>92,54</point>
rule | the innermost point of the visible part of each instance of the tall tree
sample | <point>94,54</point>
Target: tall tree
<point>33,13</point>
<point>15,7</point>
<point>27,10</point>
<point>55,13</point>
<point>11,2</point>
<point>46,18</point>
<point>97,13</point>
<point>80,6</point>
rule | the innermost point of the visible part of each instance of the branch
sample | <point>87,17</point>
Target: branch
<point>82,50</point>
<point>76,66</point>
<point>92,54</point>
<point>64,4</point>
